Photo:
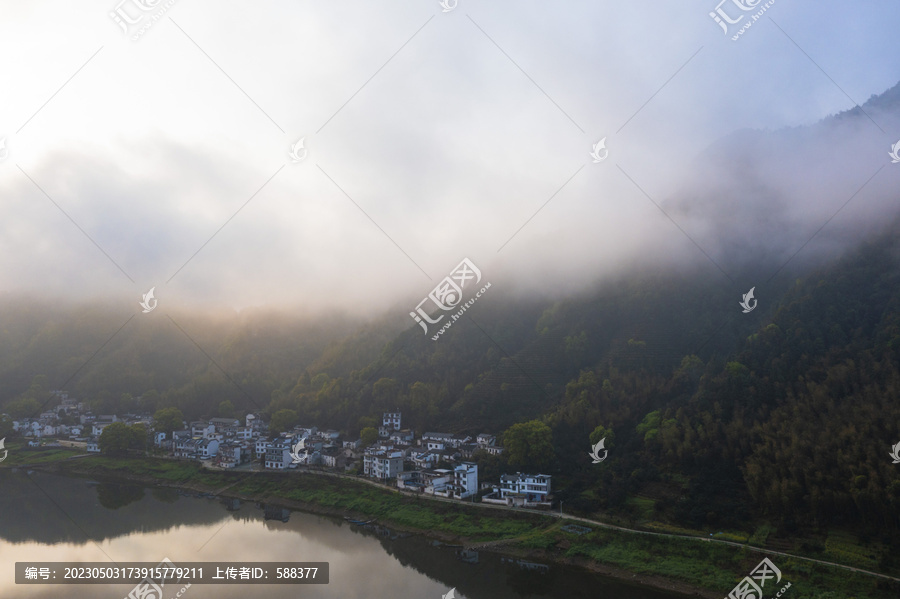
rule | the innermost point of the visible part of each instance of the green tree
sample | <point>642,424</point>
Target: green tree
<point>489,466</point>
<point>139,434</point>
<point>149,400</point>
<point>127,403</point>
<point>385,391</point>
<point>24,407</point>
<point>366,421</point>
<point>368,435</point>
<point>649,426</point>
<point>113,496</point>
<point>226,409</point>
<point>283,420</point>
<point>39,388</point>
<point>6,426</point>
<point>167,420</point>
<point>601,432</point>
<point>529,445</point>
<point>116,439</point>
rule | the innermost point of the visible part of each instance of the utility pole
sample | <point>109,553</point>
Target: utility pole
<point>560,508</point>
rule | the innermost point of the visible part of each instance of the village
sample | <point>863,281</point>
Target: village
<point>433,463</point>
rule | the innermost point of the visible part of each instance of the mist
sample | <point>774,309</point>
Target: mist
<point>164,162</point>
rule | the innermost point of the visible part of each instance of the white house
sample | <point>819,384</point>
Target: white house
<point>383,464</point>
<point>229,455</point>
<point>434,445</point>
<point>181,435</point>
<point>445,438</point>
<point>306,431</point>
<point>465,480</point>
<point>391,420</point>
<point>459,483</point>
<point>221,424</point>
<point>93,445</point>
<point>202,429</point>
<point>332,458</point>
<point>425,459</point>
<point>314,442</point>
<point>207,448</point>
<point>183,447</point>
<point>533,488</point>
<point>460,440</point>
<point>404,437</point>
<point>262,446</point>
<point>244,433</point>
<point>278,455</point>
<point>97,428</point>
<point>485,440</point>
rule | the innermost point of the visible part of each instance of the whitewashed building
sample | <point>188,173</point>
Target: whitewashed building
<point>382,464</point>
<point>391,420</point>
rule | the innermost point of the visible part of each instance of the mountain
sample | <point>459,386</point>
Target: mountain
<point>713,417</point>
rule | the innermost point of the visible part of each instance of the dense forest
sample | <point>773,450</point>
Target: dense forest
<point>785,414</point>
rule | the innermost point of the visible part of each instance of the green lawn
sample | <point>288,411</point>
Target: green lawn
<point>19,453</point>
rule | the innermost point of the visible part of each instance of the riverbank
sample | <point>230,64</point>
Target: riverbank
<point>685,566</point>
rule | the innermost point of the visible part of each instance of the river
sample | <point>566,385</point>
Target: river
<point>44,517</point>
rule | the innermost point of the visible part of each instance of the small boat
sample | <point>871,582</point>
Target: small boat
<point>358,522</point>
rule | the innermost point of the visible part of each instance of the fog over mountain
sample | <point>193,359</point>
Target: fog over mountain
<point>431,136</point>
<point>758,196</point>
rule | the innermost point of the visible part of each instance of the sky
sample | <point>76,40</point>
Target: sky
<point>157,153</point>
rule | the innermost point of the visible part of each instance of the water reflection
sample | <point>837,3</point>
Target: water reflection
<point>50,518</point>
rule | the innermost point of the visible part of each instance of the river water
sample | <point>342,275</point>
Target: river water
<point>45,517</point>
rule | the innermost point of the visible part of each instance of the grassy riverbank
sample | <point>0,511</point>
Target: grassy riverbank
<point>711,569</point>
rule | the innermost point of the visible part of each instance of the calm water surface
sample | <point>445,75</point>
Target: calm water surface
<point>51,518</point>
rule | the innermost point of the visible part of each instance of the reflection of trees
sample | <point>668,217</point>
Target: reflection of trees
<point>164,495</point>
<point>28,514</point>
<point>528,583</point>
<point>113,496</point>
<point>496,577</point>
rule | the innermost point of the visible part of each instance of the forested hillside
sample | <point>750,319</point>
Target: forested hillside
<point>720,418</point>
